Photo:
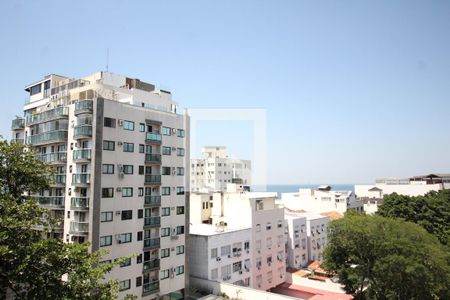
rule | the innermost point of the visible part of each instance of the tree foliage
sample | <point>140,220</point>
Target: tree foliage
<point>431,211</point>
<point>385,258</point>
<point>32,267</point>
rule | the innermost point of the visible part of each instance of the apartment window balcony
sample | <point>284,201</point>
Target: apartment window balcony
<point>153,200</point>
<point>51,201</point>
<point>56,179</point>
<point>79,203</point>
<point>151,265</point>
<point>153,137</point>
<point>82,155</point>
<point>20,141</point>
<point>54,157</point>
<point>152,243</point>
<point>79,227</point>
<point>152,179</point>
<point>82,131</point>
<point>150,288</point>
<point>52,114</point>
<point>18,123</point>
<point>153,158</point>
<point>152,222</point>
<point>48,137</point>
<point>83,107</point>
<point>81,178</point>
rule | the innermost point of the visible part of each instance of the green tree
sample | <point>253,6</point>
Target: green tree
<point>32,267</point>
<point>386,258</point>
<point>431,211</point>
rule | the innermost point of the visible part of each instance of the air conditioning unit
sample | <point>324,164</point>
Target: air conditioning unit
<point>118,189</point>
<point>118,213</point>
<point>120,122</point>
<point>240,272</point>
<point>174,130</point>
<point>174,149</point>
<point>218,259</point>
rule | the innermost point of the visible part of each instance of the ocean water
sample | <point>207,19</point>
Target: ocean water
<point>291,188</point>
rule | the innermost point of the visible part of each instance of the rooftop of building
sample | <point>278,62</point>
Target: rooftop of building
<point>332,215</point>
<point>290,214</point>
<point>209,230</point>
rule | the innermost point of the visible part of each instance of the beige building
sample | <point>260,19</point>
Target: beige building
<point>120,151</point>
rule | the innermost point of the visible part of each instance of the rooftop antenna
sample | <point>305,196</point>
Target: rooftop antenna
<point>107,59</point>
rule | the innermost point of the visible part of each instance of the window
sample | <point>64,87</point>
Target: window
<point>237,266</point>
<point>124,285</point>
<point>127,192</point>
<point>180,151</point>
<point>164,274</point>
<point>141,148</point>
<point>225,250</point>
<point>108,169</point>
<point>139,259</point>
<point>167,131</point>
<point>268,226</point>
<point>109,122</point>
<point>269,259</point>
<point>165,252</point>
<point>106,240</point>
<point>180,229</point>
<point>128,125</point>
<point>139,281</point>
<point>128,169</point>
<point>166,150</point>
<point>108,145</point>
<point>139,236</point>
<point>165,171</point>
<point>107,192</point>
<point>128,147</point>
<point>214,273</point>
<point>125,238</point>
<point>106,216</point>
<point>179,270</point>
<point>125,263</point>
<point>165,231</point>
<point>246,245</point>
<point>180,133</point>
<point>140,192</point>
<point>141,170</point>
<point>180,190</point>
<point>213,252</point>
<point>280,223</point>
<point>180,171</point>
<point>165,211</point>
<point>127,214</point>
<point>140,213</point>
<point>180,210</point>
<point>35,89</point>
<point>269,242</point>
<point>141,127</point>
<point>258,227</point>
<point>180,249</point>
<point>165,190</point>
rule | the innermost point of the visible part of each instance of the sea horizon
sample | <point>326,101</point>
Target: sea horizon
<point>291,188</point>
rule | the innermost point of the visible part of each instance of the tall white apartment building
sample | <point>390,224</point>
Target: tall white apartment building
<point>321,200</point>
<point>257,212</point>
<point>215,169</point>
<point>120,151</point>
<point>296,240</point>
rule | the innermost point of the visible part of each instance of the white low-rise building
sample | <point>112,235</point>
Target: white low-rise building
<point>296,240</point>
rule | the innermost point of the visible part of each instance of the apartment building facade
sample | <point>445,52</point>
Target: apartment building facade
<point>296,240</point>
<point>215,169</point>
<point>120,151</point>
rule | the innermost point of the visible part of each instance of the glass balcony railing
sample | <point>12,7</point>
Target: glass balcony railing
<point>82,131</point>
<point>81,178</point>
<point>17,124</point>
<point>153,137</point>
<point>151,264</point>
<point>79,227</point>
<point>152,243</point>
<point>48,137</point>
<point>56,179</point>
<point>52,114</point>
<point>150,288</point>
<point>51,201</point>
<point>20,141</point>
<point>83,154</point>
<point>153,158</point>
<point>53,157</point>
<point>152,200</point>
<point>79,203</point>
<point>152,221</point>
<point>153,179</point>
<point>84,106</point>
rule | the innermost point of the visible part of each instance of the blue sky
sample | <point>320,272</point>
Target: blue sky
<point>354,90</point>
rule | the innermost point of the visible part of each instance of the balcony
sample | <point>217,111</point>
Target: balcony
<point>81,178</point>
<point>151,265</point>
<point>18,123</point>
<point>150,288</point>
<point>19,141</point>
<point>83,107</point>
<point>79,227</point>
<point>152,200</point>
<point>54,157</point>
<point>152,222</point>
<point>152,179</point>
<point>82,155</point>
<point>56,179</point>
<point>51,201</point>
<point>153,137</point>
<point>152,243</point>
<point>82,131</point>
<point>153,158</point>
<point>52,114</point>
<point>48,137</point>
<point>79,203</point>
